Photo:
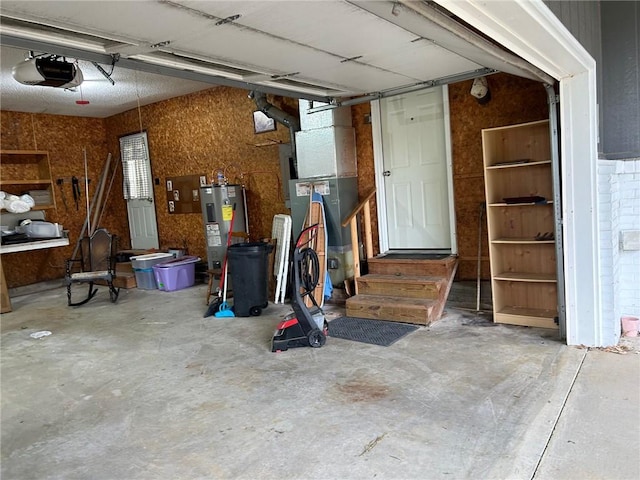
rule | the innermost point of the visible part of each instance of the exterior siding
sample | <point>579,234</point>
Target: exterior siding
<point>610,32</point>
<point>620,130</point>
<point>584,21</point>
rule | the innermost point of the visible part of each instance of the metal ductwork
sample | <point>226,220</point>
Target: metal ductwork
<point>280,116</point>
<point>274,112</point>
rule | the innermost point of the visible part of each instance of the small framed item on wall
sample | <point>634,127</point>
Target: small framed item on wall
<point>262,123</point>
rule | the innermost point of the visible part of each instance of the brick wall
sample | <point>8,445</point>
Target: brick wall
<point>619,208</point>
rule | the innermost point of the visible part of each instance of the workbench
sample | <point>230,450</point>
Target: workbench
<point>5,301</point>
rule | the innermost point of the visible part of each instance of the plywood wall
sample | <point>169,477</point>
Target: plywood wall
<point>212,130</point>
<point>64,138</point>
<point>513,100</point>
<point>361,115</point>
<point>202,133</point>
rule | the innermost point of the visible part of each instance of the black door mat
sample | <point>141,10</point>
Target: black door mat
<point>365,330</point>
<point>415,256</point>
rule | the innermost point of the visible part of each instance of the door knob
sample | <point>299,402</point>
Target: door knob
<point>386,173</point>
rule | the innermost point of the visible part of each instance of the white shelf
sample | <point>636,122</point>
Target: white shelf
<point>35,245</point>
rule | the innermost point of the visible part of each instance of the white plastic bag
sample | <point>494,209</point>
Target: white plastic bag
<point>17,206</point>
<point>28,199</point>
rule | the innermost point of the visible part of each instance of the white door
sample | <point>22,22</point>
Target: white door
<point>138,191</point>
<point>415,180</point>
<point>142,224</point>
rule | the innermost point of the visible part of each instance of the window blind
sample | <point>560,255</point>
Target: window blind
<point>135,167</point>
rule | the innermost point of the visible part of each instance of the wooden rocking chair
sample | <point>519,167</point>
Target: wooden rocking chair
<point>97,263</point>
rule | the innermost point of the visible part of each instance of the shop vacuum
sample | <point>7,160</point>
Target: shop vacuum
<point>304,327</point>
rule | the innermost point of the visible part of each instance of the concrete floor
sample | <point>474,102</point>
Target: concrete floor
<point>148,389</point>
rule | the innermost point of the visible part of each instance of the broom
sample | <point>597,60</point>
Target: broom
<point>225,310</point>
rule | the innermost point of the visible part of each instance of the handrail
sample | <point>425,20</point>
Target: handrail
<point>351,220</point>
<point>359,207</point>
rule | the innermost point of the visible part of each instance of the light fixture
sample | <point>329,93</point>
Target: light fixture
<point>480,90</point>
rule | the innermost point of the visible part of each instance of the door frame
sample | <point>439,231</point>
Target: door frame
<point>378,159</point>
<point>533,32</point>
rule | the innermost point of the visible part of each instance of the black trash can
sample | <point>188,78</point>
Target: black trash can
<point>248,268</point>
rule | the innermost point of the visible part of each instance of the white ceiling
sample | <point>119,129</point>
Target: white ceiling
<point>310,49</point>
<point>104,99</point>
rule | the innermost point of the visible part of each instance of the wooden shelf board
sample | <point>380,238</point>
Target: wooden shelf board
<point>504,204</point>
<point>526,277</point>
<point>518,241</point>
<point>25,182</point>
<point>531,317</point>
<point>35,245</point>
<point>38,207</point>
<point>23,152</point>
<point>516,165</point>
<point>527,311</point>
<point>267,143</point>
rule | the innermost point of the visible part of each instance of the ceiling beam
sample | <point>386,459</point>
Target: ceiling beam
<point>457,29</point>
<point>460,77</point>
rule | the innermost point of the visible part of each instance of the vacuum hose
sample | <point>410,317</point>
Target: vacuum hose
<point>309,270</point>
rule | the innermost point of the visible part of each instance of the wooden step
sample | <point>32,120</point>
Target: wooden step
<point>406,310</point>
<point>403,295</point>
<point>405,286</point>
<point>420,267</point>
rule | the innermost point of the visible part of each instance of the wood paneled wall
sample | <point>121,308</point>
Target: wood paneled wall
<point>199,134</point>
<point>513,100</point>
<point>64,137</point>
<point>211,130</point>
<point>361,120</point>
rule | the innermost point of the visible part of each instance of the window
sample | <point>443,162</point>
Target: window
<point>136,168</point>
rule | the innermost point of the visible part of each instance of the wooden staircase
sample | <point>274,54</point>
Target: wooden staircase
<point>398,288</point>
<point>408,290</point>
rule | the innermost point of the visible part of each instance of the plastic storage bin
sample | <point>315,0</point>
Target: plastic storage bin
<point>176,274</point>
<point>41,230</point>
<point>248,267</point>
<point>145,278</point>
<point>143,268</point>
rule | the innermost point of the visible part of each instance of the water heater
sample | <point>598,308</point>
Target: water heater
<point>221,203</point>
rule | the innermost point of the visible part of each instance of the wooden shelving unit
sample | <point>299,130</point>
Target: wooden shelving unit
<point>25,170</point>
<point>520,220</point>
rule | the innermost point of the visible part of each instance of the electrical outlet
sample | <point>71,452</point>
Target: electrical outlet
<point>630,240</point>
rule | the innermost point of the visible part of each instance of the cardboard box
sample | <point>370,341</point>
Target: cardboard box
<point>125,280</point>
<point>124,267</point>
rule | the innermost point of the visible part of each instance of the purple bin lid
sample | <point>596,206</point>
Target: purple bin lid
<point>176,262</point>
